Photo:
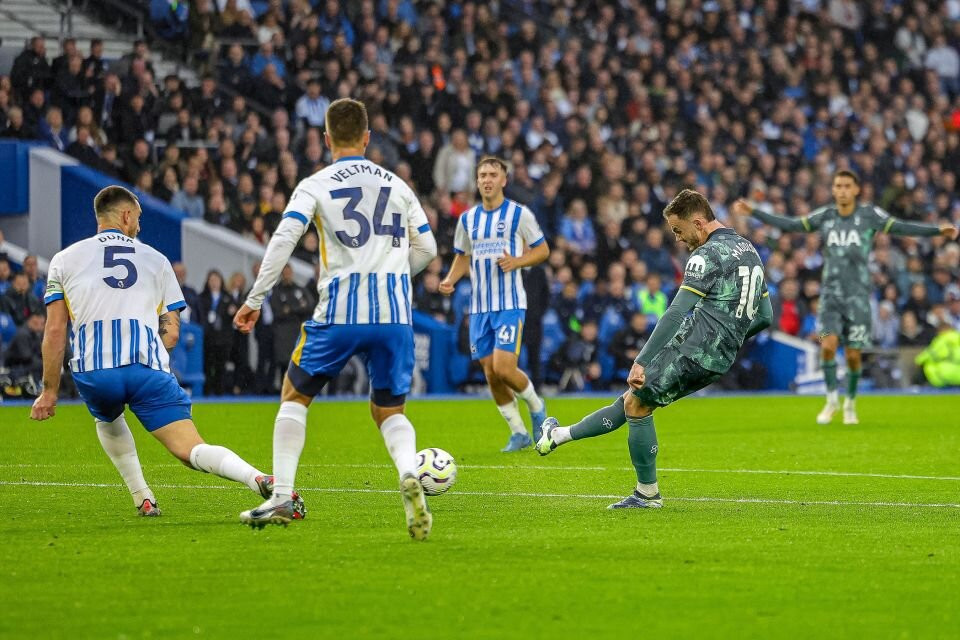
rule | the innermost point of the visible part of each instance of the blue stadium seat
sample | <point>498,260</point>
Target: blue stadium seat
<point>186,359</point>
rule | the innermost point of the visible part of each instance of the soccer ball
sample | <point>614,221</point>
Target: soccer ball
<point>437,470</point>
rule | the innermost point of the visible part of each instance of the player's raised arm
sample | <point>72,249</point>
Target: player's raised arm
<point>894,226</point>
<point>806,223</point>
<point>281,246</point>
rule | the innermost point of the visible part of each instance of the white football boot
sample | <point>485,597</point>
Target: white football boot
<point>826,414</point>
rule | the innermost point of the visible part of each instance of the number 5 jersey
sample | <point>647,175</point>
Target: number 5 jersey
<point>115,289</point>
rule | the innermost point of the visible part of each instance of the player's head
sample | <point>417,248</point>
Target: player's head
<point>118,208</point>
<point>846,187</point>
<point>491,177</point>
<point>347,125</point>
<point>690,218</point>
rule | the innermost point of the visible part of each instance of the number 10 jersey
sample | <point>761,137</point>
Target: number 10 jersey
<point>115,289</point>
<point>726,271</point>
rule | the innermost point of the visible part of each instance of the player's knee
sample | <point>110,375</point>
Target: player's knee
<point>503,370</point>
<point>633,406</point>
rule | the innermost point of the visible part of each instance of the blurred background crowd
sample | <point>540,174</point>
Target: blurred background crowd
<point>603,110</point>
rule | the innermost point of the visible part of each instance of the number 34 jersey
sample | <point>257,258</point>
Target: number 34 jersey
<point>727,273</point>
<point>115,289</point>
<point>366,217</point>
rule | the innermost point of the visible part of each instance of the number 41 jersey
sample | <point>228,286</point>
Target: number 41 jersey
<point>726,271</point>
<point>115,289</point>
<point>366,217</point>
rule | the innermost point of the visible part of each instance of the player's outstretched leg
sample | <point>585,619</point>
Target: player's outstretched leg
<point>598,423</point>
<point>829,365</point>
<point>643,446</point>
<point>401,442</point>
<point>289,435</point>
<point>506,369</point>
<point>854,369</point>
<point>118,443</point>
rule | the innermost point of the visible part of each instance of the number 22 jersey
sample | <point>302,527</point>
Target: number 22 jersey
<point>115,289</point>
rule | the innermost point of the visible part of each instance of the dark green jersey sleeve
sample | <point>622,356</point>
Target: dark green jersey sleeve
<point>668,325</point>
<point>808,223</point>
<point>886,223</point>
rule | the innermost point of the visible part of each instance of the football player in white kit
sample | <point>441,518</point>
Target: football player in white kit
<point>124,303</point>
<point>374,236</point>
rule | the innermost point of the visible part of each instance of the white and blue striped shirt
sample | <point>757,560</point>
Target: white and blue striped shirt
<point>115,289</point>
<point>368,221</point>
<point>485,236</point>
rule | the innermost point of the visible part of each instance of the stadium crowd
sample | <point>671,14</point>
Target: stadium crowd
<point>603,110</point>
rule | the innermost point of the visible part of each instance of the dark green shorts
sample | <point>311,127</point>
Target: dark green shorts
<point>671,376</point>
<point>848,319</point>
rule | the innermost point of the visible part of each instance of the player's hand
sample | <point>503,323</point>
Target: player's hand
<point>246,318</point>
<point>45,406</point>
<point>509,263</point>
<point>637,376</point>
<point>446,287</point>
<point>741,208</point>
<point>948,231</point>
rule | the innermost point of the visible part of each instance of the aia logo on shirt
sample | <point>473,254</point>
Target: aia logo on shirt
<point>843,238</point>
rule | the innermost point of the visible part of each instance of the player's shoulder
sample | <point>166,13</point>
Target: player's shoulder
<point>872,209</point>
<point>825,210</point>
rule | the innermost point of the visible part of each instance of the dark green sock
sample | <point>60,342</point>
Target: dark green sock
<point>830,373</point>
<point>600,422</point>
<point>642,443</point>
<point>853,381</point>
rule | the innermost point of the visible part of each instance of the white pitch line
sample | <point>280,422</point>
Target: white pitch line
<point>779,472</point>
<point>511,494</point>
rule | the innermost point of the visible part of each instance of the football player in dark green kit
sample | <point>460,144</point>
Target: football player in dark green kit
<point>723,286</point>
<point>846,229</point>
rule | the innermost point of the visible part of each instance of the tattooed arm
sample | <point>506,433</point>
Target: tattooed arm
<point>169,330</point>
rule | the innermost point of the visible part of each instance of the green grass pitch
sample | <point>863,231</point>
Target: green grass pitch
<point>771,527</point>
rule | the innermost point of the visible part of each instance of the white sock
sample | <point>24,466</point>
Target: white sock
<point>511,414</point>
<point>289,434</point>
<point>117,442</point>
<point>561,435</point>
<point>529,395</point>
<point>401,441</point>
<point>833,397</point>
<point>648,490</point>
<point>220,461</point>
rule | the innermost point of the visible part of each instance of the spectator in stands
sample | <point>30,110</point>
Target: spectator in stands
<point>627,343</point>
<point>190,295</point>
<point>72,89</point>
<point>577,358</point>
<point>6,275</point>
<point>311,108</point>
<point>19,302</point>
<point>38,284</point>
<point>656,256</point>
<point>886,325</point>
<point>788,309</point>
<point>576,229</point>
<point>170,19</point>
<point>24,356</point>
<point>31,70</point>
<point>242,375</point>
<point>189,199</point>
<point>913,332</point>
<point>94,66</point>
<point>291,305</point>
<point>429,300</point>
<point>16,127</point>
<point>945,62</point>
<point>455,168</point>
<point>52,131</point>
<point>216,315</point>
<point>651,300</point>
